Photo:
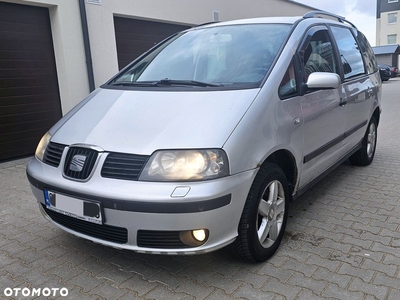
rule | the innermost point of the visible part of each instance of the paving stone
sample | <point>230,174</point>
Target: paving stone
<point>108,291</point>
<point>339,223</point>
<point>115,275</point>
<point>226,266</point>
<point>335,292</point>
<point>219,295</point>
<point>173,265</point>
<point>285,290</point>
<point>34,278</point>
<point>255,280</point>
<point>300,266</point>
<point>386,249</point>
<point>161,292</point>
<point>85,281</point>
<point>194,289</point>
<point>336,246</point>
<point>76,293</point>
<point>17,268</point>
<point>227,285</point>
<point>385,240</point>
<point>393,294</point>
<point>357,285</point>
<point>65,272</point>
<point>382,279</point>
<point>307,295</point>
<point>165,277</point>
<point>340,280</point>
<point>45,263</point>
<point>366,228</point>
<point>246,291</point>
<point>142,269</point>
<point>280,274</point>
<point>317,261</point>
<point>387,269</point>
<point>195,273</point>
<point>300,280</point>
<point>137,284</point>
<point>365,244</point>
<point>7,281</point>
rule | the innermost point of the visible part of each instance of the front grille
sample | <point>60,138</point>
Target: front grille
<point>159,239</point>
<point>123,166</point>
<point>104,232</point>
<point>79,162</point>
<point>52,155</point>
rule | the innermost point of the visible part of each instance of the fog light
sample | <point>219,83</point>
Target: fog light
<point>199,235</point>
<point>194,238</point>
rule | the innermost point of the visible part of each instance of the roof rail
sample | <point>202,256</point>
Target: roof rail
<point>207,23</point>
<point>314,14</point>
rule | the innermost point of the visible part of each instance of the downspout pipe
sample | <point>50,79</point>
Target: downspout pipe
<point>86,42</point>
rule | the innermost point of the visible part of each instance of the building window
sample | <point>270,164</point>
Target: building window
<point>392,18</point>
<point>392,38</point>
<point>392,1</point>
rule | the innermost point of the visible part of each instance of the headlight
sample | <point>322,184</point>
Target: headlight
<point>185,165</point>
<point>41,148</point>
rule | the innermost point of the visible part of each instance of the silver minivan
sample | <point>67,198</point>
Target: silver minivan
<point>204,140</point>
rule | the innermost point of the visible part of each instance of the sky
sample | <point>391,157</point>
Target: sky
<point>362,13</point>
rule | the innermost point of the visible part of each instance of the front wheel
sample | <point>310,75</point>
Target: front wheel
<point>365,155</point>
<point>264,216</point>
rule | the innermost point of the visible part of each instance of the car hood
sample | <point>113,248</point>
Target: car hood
<point>141,122</point>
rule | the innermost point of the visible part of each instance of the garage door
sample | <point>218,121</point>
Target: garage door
<point>29,95</point>
<point>135,37</point>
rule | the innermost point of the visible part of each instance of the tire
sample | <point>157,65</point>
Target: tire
<point>264,216</point>
<point>365,155</point>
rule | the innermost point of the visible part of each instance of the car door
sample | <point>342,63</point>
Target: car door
<point>359,88</point>
<point>323,110</point>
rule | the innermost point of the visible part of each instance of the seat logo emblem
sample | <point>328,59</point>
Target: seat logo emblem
<point>77,163</point>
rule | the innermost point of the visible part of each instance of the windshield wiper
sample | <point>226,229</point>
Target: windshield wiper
<point>167,81</point>
<point>133,83</point>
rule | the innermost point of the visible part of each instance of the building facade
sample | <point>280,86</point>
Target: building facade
<point>387,22</point>
<point>53,53</point>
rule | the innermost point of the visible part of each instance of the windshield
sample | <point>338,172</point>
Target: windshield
<point>216,56</point>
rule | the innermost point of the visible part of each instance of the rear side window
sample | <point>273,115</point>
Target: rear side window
<point>350,54</point>
<point>368,53</point>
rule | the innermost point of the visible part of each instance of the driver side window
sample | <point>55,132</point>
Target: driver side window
<point>318,55</point>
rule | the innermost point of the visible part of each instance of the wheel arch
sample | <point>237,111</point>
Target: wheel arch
<point>287,162</point>
<point>376,114</point>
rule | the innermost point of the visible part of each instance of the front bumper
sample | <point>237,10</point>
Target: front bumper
<point>153,208</point>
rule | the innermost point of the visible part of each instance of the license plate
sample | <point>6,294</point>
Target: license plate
<point>80,209</point>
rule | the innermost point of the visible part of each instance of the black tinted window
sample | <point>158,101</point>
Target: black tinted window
<point>350,54</point>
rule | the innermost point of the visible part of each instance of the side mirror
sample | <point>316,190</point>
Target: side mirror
<point>323,80</point>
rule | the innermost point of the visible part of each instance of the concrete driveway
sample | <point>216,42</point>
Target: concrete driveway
<point>342,242</point>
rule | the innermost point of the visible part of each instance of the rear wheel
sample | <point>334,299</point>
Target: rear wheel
<point>365,155</point>
<point>264,216</point>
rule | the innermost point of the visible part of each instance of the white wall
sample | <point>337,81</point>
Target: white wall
<point>384,28</point>
<point>68,38</point>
